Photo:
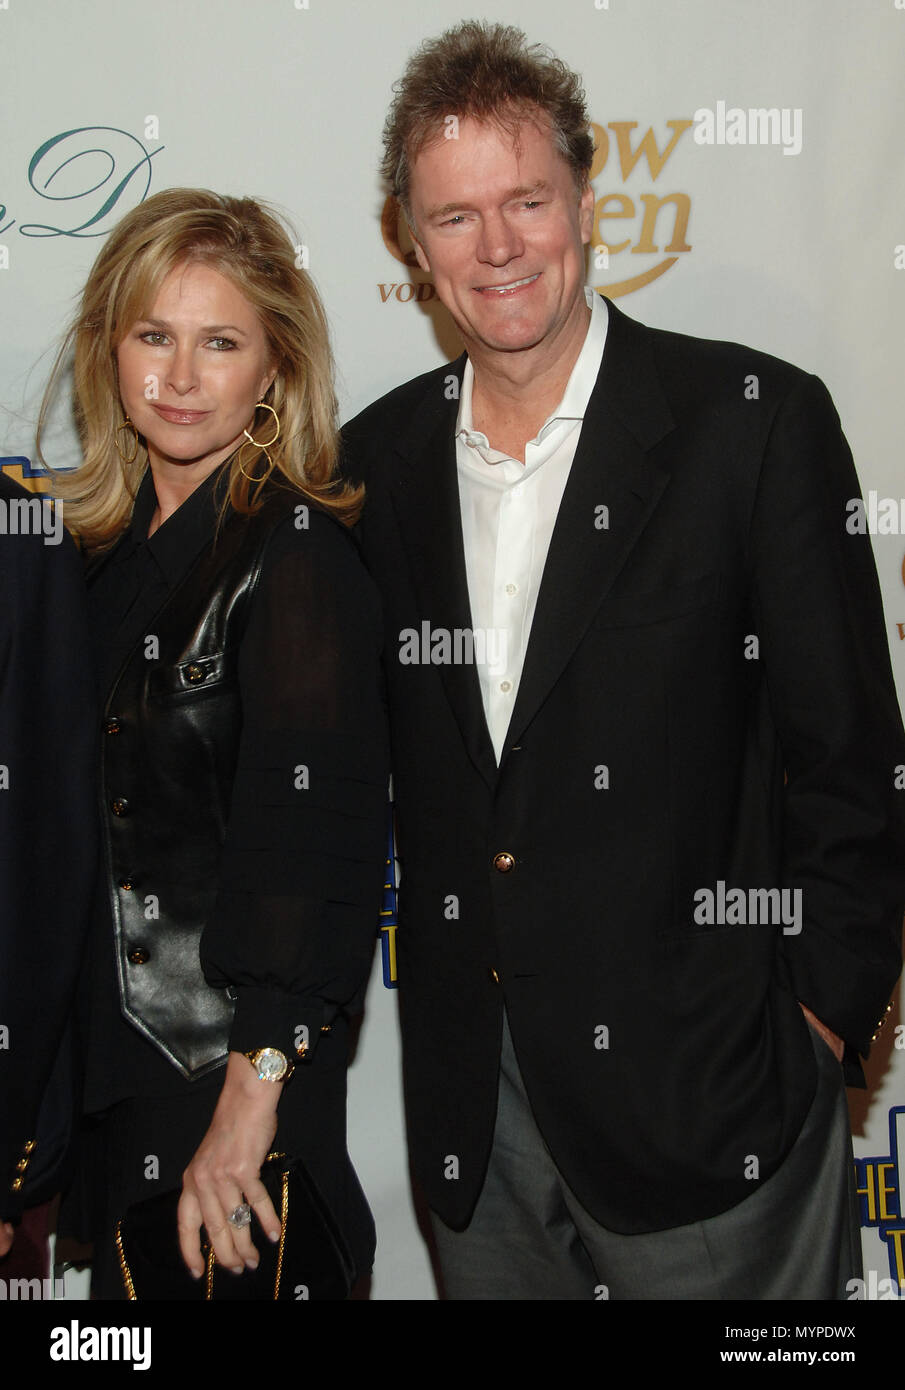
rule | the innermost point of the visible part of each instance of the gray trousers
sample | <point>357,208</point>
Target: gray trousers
<point>796,1237</point>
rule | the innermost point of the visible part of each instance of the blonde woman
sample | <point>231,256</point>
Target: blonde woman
<point>243,760</point>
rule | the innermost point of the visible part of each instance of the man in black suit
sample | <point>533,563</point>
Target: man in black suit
<point>47,856</point>
<point>645,742</point>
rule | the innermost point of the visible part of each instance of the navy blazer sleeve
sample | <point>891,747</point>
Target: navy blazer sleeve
<point>824,649</point>
<point>47,825</point>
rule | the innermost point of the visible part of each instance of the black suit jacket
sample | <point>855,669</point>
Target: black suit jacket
<point>645,763</point>
<point>47,847</point>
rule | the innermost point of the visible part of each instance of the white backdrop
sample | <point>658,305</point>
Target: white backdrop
<point>799,254</point>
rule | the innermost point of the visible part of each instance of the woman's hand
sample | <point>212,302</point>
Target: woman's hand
<point>225,1171</point>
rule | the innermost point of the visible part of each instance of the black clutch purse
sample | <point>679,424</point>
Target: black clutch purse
<point>310,1260</point>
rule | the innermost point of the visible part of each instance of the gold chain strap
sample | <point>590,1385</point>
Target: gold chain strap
<point>284,1222</point>
<point>124,1269</point>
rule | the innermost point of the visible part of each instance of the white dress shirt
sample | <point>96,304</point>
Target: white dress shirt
<point>509,511</point>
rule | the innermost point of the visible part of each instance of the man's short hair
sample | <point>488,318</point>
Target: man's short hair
<point>489,72</point>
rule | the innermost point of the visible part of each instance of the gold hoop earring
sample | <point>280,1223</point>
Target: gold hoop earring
<point>261,405</point>
<point>126,425</point>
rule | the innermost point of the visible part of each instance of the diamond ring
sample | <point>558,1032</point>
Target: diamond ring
<point>240,1217</point>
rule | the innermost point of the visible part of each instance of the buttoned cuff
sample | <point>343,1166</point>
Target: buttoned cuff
<point>13,1198</point>
<point>271,1018</point>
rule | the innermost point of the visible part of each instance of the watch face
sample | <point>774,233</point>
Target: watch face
<point>271,1064</point>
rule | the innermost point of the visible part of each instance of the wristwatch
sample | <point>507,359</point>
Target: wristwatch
<point>270,1063</point>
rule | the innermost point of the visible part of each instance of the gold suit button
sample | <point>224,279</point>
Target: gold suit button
<point>139,956</point>
<point>119,806</point>
<point>880,1021</point>
<point>504,862</point>
<point>194,673</point>
<point>112,725</point>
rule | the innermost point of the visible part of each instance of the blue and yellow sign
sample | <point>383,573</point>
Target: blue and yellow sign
<point>880,1186</point>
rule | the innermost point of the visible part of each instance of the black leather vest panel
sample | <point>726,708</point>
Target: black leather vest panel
<point>169,748</point>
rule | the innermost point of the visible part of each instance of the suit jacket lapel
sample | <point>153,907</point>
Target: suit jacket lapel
<point>627,414</point>
<point>430,521</point>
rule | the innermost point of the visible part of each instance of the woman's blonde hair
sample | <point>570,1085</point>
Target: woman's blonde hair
<point>244,241</point>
